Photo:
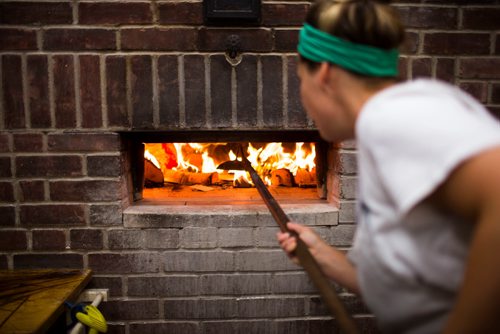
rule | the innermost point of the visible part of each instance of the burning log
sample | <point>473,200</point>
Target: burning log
<point>281,177</point>
<point>153,177</point>
<point>178,177</point>
<point>174,176</point>
<point>224,177</point>
<point>305,178</point>
<point>198,178</point>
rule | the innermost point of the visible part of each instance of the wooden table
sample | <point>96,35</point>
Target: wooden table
<point>32,300</point>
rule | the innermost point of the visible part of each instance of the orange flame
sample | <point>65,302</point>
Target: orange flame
<point>204,158</point>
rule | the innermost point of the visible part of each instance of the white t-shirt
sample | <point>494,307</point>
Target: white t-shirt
<point>409,258</point>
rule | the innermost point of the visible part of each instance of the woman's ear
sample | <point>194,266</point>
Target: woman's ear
<point>324,76</point>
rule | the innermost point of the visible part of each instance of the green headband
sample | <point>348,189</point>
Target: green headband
<point>319,46</point>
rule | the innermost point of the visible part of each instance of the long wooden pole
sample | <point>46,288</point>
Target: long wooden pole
<point>327,292</point>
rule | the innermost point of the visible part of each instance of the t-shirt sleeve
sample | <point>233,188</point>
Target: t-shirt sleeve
<point>416,144</point>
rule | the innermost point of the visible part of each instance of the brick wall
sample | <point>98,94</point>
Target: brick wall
<point>75,74</point>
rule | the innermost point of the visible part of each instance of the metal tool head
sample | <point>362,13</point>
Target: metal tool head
<point>232,165</point>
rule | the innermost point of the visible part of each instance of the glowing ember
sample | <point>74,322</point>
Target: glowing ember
<point>203,158</point>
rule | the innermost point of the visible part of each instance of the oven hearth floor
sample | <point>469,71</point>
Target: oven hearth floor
<point>226,207</point>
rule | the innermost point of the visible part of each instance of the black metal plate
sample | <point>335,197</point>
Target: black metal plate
<point>231,11</point>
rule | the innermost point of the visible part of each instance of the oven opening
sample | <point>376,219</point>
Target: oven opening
<point>193,171</point>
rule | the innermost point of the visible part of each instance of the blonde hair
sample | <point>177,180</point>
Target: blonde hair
<point>368,22</point>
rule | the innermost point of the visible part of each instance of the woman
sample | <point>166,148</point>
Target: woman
<point>425,254</point>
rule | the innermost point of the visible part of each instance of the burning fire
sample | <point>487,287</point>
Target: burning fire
<point>197,158</point>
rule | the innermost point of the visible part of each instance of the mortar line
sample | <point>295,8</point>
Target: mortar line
<point>78,106</point>
<point>24,83</point>
<point>285,90</point>
<point>182,93</point>
<point>493,43</point>
<point>260,107</point>
<point>104,87</point>
<point>2,106</point>
<point>208,96</point>
<point>234,96</point>
<point>52,105</point>
<point>74,11</point>
<point>156,97</point>
<point>128,89</point>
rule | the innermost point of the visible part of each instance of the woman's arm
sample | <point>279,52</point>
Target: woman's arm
<point>332,262</point>
<point>473,192</point>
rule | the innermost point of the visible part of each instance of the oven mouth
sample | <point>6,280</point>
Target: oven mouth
<point>192,186</point>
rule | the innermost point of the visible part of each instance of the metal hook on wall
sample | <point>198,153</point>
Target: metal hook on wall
<point>233,50</point>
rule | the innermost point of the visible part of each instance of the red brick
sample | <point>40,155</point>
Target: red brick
<point>475,68</point>
<point>4,263</point>
<point>131,309</point>
<point>477,89</point>
<point>12,92</point>
<point>253,39</point>
<point>456,44</point>
<point>79,39</point>
<point>4,143</point>
<point>410,44</point>
<point>104,166</point>
<point>86,239</point>
<point>246,100</point>
<point>64,92</point>
<point>5,168</point>
<point>8,215</point>
<point>38,91</point>
<point>49,240</point>
<point>168,75</point>
<point>6,192</point>
<point>297,117</point>
<point>31,191</point>
<point>35,13</point>
<point>124,263</point>
<point>90,91</point>
<point>105,215</point>
<point>429,17</point>
<point>141,91</point>
<point>495,93</point>
<point>403,68</point>
<point>421,67</point>
<point>191,327</point>
<point>13,240</point>
<point>194,84</point>
<point>52,261</point>
<point>485,18</point>
<point>220,82</point>
<point>28,142</point>
<point>114,284</point>
<point>52,215</point>
<point>87,142</point>
<point>495,111</point>
<point>286,40</point>
<point>85,191</point>
<point>17,39</point>
<point>114,13</point>
<point>445,69</point>
<point>173,39</point>
<point>49,166</point>
<point>116,91</point>
<point>283,14</point>
<point>272,90</point>
<point>189,13</point>
<point>125,239</point>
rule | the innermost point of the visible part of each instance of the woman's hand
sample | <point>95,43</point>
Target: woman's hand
<point>332,262</point>
<point>288,242</point>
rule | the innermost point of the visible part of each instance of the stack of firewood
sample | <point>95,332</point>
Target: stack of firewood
<point>154,177</point>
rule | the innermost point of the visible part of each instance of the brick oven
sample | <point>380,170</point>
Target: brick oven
<point>84,84</point>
